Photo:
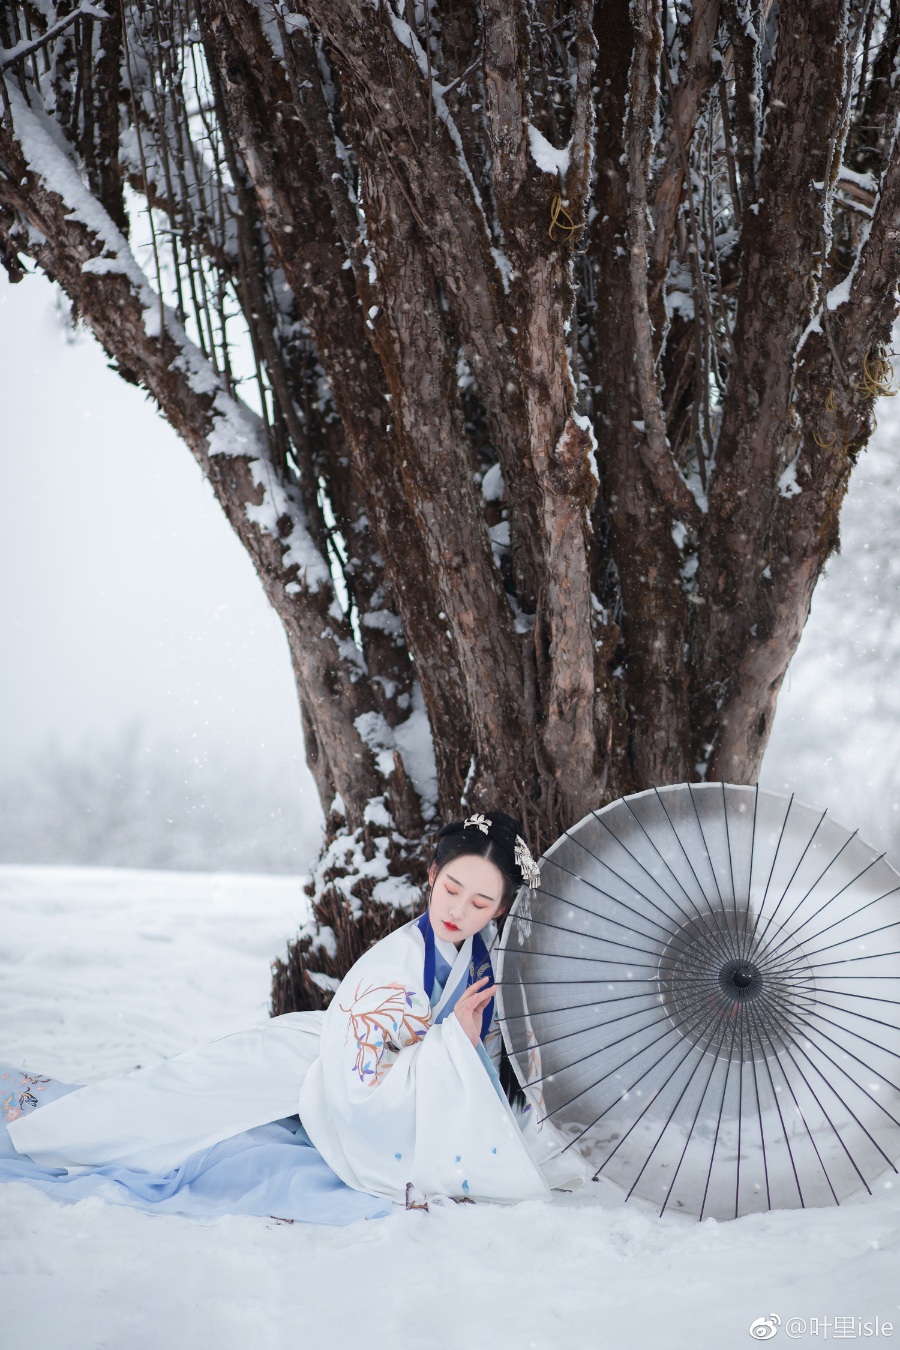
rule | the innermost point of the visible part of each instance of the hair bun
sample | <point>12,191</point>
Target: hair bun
<point>504,831</point>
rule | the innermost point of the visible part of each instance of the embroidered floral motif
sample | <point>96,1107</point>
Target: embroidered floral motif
<point>382,1022</point>
<point>22,1099</point>
<point>483,968</point>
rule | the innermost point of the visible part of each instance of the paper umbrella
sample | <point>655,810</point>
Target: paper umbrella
<point>702,994</point>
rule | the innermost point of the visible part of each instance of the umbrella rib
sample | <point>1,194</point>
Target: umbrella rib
<point>595,937</point>
<point>848,993</point>
<point>857,937</point>
<point>696,1116</point>
<point>606,896</point>
<point>624,880</point>
<point>788,1037</point>
<point>834,1128</point>
<point>550,895</point>
<point>691,1047</point>
<point>712,912</point>
<point>611,832</point>
<point>527,984</point>
<point>593,1026</point>
<point>570,1007</point>
<point>814,1012</point>
<point>749,1014</point>
<point>870,1068</point>
<point>665,928</point>
<point>580,1031</point>
<point>793,934</point>
<point>790,1088</point>
<point>565,1068</point>
<point>667,1123</point>
<point>762,1132</point>
<point>728,936</point>
<point>715,1145</point>
<point>592,913</point>
<point>851,915</point>
<point>657,1021</point>
<point>762,903</point>
<point>740,1121</point>
<point>875,956</point>
<point>730,862</point>
<point>665,862</point>
<point>784,1130</point>
<point>597,960</point>
<point>776,853</point>
<point>790,880</point>
<point>879,1021</point>
<point>743,943</point>
<point>591,1086</point>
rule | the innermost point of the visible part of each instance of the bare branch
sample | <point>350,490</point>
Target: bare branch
<point>28,48</point>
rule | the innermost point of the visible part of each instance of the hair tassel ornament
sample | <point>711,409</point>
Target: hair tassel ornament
<point>526,864</point>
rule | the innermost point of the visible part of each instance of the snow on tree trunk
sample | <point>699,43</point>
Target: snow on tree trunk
<point>527,351</point>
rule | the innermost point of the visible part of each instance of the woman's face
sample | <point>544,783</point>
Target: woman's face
<point>465,895</point>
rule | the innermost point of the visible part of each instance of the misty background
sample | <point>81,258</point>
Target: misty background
<point>148,715</point>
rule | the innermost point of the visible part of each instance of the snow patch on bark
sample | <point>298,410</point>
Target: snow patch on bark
<point>412,738</point>
<point>787,483</point>
<point>546,156</point>
<point>586,425</point>
<point>39,138</point>
<point>298,547</point>
<point>343,865</point>
<point>492,487</point>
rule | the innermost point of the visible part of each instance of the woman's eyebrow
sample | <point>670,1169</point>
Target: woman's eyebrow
<point>481,895</point>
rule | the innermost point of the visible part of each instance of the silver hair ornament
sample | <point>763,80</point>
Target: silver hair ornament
<point>479,821</point>
<point>526,864</point>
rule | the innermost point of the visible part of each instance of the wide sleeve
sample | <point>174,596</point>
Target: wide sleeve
<point>394,1099</point>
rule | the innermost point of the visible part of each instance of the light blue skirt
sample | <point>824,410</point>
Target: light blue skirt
<point>271,1170</point>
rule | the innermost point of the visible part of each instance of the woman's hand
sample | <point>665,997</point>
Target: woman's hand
<point>470,1006</point>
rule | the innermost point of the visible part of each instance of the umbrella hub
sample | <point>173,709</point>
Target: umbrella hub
<point>741,979</point>
<point>734,983</point>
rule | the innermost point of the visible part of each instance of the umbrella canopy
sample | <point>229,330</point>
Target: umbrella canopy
<point>702,994</point>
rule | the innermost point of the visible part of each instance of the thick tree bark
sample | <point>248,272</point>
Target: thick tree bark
<point>565,336</point>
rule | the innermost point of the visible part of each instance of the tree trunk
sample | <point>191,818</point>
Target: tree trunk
<point>528,356</point>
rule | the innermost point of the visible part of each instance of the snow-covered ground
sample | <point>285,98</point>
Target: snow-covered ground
<point>101,970</point>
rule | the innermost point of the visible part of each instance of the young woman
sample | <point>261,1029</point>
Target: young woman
<point>325,1117</point>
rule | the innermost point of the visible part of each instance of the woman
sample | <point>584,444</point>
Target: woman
<point>395,1085</point>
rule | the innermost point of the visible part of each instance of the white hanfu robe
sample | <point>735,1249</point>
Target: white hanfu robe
<point>398,1096</point>
<point>151,1119</point>
<point>388,1088</point>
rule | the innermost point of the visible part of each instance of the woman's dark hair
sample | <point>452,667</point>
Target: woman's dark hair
<point>498,847</point>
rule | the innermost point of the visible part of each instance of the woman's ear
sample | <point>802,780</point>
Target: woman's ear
<point>432,873</point>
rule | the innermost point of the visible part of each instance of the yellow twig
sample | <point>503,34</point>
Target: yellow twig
<point>561,219</point>
<point>878,376</point>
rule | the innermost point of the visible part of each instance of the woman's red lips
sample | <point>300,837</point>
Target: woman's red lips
<point>453,926</point>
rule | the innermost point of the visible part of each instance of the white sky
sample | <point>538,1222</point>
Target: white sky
<point>125,596</point>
